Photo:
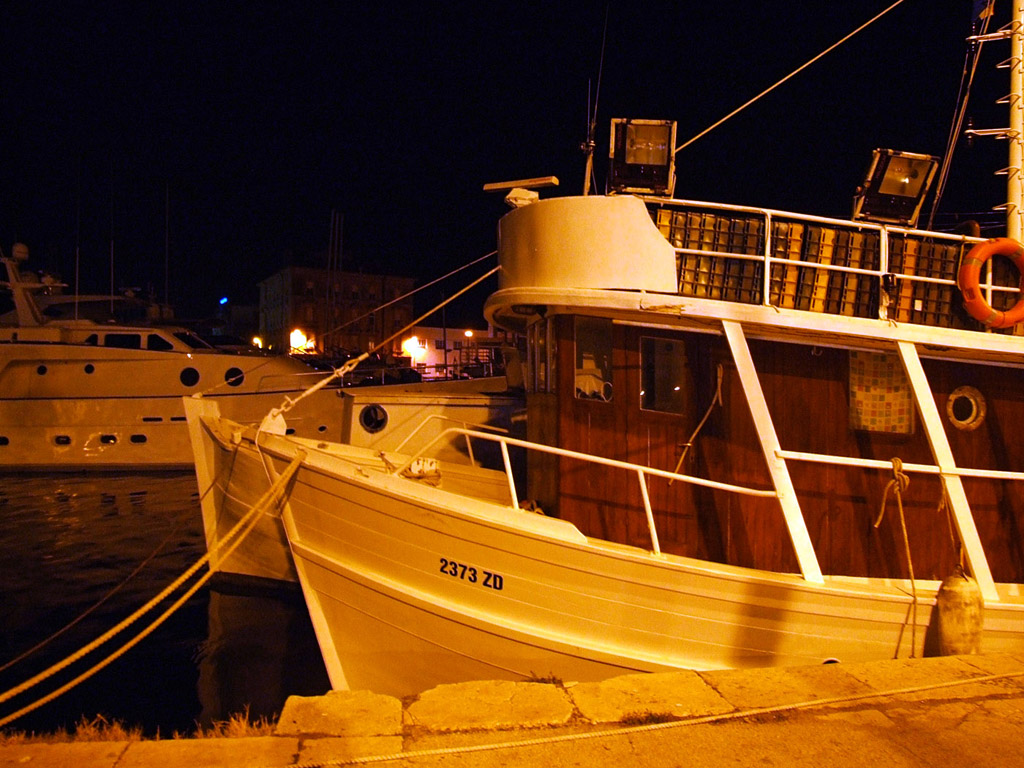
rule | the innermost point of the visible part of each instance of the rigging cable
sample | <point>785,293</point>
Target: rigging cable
<point>963,96</point>
<point>795,72</point>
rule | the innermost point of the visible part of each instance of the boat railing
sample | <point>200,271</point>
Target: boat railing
<point>833,266</point>
<point>924,469</point>
<point>642,472</point>
<point>467,425</point>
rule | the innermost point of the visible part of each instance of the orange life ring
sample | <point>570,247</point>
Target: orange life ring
<point>969,276</point>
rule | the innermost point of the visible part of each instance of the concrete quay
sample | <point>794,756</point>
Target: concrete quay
<point>966,710</point>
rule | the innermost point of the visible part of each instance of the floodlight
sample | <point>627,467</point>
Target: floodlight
<point>895,187</point>
<point>642,156</point>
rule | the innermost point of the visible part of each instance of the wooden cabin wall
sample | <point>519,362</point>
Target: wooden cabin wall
<point>807,392</point>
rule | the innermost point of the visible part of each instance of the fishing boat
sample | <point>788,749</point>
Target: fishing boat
<point>80,394</point>
<point>753,438</point>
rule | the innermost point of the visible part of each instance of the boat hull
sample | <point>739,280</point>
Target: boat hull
<point>410,586</point>
<point>231,483</point>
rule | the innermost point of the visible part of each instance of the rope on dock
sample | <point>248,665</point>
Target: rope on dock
<point>235,536</point>
<point>739,714</point>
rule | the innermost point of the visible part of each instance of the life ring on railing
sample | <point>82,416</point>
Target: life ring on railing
<point>968,280</point>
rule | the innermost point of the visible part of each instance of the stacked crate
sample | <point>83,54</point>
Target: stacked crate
<point>708,274</point>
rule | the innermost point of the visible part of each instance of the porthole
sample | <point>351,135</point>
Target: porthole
<point>4,440</point>
<point>138,439</point>
<point>89,368</point>
<point>966,408</point>
<point>373,418</point>
<point>108,439</point>
<point>234,377</point>
<point>62,440</point>
<point>41,370</point>
<point>322,428</point>
<point>189,377</point>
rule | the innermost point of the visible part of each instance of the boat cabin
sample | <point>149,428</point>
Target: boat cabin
<point>812,359</point>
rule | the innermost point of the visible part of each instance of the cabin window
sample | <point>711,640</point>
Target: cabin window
<point>158,342</point>
<point>593,358</point>
<point>662,375</point>
<point>123,340</point>
<point>541,359</point>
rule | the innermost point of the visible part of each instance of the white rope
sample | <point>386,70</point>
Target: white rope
<point>627,731</point>
<point>238,532</point>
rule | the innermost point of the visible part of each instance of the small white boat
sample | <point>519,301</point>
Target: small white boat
<point>78,394</point>
<point>378,419</point>
<point>720,400</point>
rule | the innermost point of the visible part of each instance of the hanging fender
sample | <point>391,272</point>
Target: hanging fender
<point>968,280</point>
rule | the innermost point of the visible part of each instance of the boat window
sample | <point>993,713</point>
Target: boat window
<point>191,340</point>
<point>662,375</point>
<point>158,342</point>
<point>593,358</point>
<point>541,359</point>
<point>123,340</point>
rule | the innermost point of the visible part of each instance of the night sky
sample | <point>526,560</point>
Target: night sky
<point>257,120</point>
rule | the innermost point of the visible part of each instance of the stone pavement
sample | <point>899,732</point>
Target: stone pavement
<point>966,710</point>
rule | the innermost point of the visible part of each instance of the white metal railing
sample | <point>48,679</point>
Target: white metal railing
<point>925,469</point>
<point>884,233</point>
<point>441,417</point>
<point>642,472</point>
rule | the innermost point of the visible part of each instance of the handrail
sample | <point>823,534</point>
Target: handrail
<point>442,417</point>
<point>925,469</point>
<point>760,246</point>
<point>641,471</point>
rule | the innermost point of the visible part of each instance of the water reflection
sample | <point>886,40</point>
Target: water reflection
<point>70,542</point>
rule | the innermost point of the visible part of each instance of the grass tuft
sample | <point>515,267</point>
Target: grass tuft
<point>237,726</point>
<point>647,718</point>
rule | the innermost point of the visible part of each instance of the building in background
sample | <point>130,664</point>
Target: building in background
<point>332,313</point>
<point>455,352</point>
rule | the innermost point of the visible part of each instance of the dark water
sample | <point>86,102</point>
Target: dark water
<point>67,541</point>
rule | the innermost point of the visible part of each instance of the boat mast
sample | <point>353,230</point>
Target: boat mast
<point>1015,174</point>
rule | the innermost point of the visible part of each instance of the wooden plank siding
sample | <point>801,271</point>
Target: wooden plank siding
<point>807,391</point>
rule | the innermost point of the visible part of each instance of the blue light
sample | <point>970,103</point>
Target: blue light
<point>223,300</point>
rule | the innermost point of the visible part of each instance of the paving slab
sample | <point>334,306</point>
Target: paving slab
<point>777,686</point>
<point>351,748</point>
<point>341,713</point>
<point>209,753</point>
<point>900,674</point>
<point>80,754</point>
<point>634,697</point>
<point>490,705</point>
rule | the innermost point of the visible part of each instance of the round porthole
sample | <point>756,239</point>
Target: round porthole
<point>189,377</point>
<point>966,408</point>
<point>89,368</point>
<point>234,377</point>
<point>373,418</point>
<point>41,370</point>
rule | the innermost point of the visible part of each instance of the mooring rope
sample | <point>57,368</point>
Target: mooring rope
<point>84,614</point>
<point>740,714</point>
<point>898,484</point>
<point>240,530</point>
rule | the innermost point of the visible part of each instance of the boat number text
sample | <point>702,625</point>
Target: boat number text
<point>471,574</point>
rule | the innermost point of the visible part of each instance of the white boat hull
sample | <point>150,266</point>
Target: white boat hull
<point>231,485</point>
<point>410,586</point>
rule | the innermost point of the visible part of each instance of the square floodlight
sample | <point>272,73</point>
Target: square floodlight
<point>642,157</point>
<point>895,187</point>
